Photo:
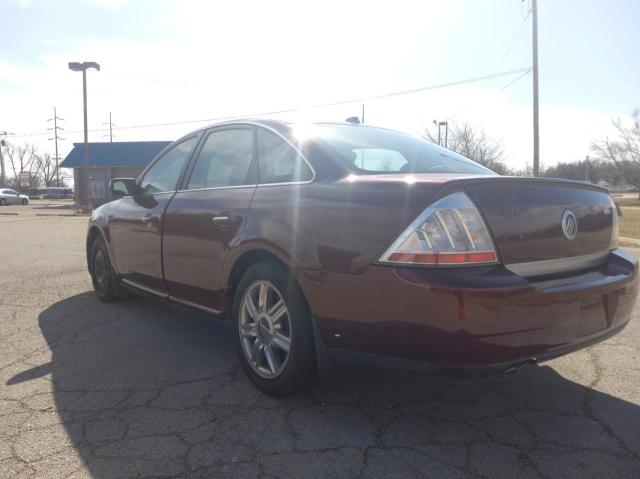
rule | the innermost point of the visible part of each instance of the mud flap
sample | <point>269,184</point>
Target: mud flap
<point>325,364</point>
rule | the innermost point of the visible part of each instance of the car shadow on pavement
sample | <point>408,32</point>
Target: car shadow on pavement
<point>147,389</point>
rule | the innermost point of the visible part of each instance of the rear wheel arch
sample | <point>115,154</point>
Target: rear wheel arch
<point>240,267</point>
<point>255,254</point>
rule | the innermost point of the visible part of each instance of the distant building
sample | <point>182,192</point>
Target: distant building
<point>121,159</point>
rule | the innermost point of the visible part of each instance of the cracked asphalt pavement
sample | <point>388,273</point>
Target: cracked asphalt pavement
<point>144,389</point>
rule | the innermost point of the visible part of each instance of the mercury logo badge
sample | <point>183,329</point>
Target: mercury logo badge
<point>569,224</point>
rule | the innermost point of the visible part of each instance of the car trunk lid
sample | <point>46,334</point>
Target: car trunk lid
<point>525,217</point>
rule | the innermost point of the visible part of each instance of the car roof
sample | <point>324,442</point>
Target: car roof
<point>283,127</point>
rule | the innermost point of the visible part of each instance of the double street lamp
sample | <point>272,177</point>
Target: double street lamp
<point>85,205</point>
<point>440,124</point>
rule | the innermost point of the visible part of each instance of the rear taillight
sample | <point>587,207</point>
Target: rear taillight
<point>449,232</point>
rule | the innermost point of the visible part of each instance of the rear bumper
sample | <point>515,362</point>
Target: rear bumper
<point>471,318</point>
<point>339,358</point>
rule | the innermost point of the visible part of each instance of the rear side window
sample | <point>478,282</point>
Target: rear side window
<point>225,160</point>
<point>378,159</point>
<point>377,150</point>
<point>279,161</point>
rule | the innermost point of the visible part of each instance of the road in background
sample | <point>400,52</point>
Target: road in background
<point>140,388</point>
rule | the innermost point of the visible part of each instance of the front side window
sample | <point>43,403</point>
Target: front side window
<point>225,160</point>
<point>165,173</point>
<point>279,161</point>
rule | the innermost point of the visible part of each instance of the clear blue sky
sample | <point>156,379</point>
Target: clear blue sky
<point>169,60</point>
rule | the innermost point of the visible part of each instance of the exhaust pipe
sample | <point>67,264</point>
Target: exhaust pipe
<point>528,362</point>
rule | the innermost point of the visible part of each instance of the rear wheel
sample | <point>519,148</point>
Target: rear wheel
<point>24,202</point>
<point>3,202</point>
<point>273,330</point>
<point>102,275</point>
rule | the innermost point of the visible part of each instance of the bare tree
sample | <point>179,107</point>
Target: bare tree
<point>473,144</point>
<point>624,150</point>
<point>21,158</point>
<point>44,170</point>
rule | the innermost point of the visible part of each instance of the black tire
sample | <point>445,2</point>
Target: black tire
<point>300,367</point>
<point>24,202</point>
<point>102,274</point>
<point>3,202</point>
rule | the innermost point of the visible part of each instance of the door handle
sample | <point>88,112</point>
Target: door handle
<point>150,219</point>
<point>223,221</point>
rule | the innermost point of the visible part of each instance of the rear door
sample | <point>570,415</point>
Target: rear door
<point>136,225</point>
<point>206,216</point>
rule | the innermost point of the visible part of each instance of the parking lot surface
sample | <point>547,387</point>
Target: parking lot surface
<point>143,389</point>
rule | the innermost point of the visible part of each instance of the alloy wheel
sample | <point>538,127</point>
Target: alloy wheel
<point>265,329</point>
<point>101,267</point>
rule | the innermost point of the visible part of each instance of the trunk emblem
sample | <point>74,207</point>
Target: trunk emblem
<point>569,224</point>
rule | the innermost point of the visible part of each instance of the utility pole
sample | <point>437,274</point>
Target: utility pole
<point>536,126</point>
<point>3,143</point>
<point>56,138</point>
<point>111,125</point>
<point>586,168</point>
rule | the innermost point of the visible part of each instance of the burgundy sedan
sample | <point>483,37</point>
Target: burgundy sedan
<point>330,241</point>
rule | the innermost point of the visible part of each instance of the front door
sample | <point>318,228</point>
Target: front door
<point>205,217</point>
<point>12,197</point>
<point>136,226</point>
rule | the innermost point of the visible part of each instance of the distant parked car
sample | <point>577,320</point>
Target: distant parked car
<point>11,197</point>
<point>50,193</point>
<point>333,240</point>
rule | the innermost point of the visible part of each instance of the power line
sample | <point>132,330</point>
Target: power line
<point>511,45</point>
<point>524,74</point>
<point>292,110</point>
<point>500,63</point>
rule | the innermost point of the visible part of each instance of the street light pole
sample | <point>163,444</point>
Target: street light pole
<point>440,124</point>
<point>84,177</point>
<point>446,134</point>
<point>86,206</point>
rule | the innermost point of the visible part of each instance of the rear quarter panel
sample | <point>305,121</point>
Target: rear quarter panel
<point>333,225</point>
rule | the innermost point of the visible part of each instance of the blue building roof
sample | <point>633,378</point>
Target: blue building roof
<point>118,153</point>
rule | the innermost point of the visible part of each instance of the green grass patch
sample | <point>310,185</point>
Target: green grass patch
<point>630,223</point>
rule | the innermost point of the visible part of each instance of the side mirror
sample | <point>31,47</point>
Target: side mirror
<point>123,187</point>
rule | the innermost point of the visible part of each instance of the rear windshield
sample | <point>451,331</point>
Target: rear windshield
<point>376,150</point>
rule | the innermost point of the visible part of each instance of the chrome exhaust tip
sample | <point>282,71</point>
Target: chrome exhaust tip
<point>528,362</point>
